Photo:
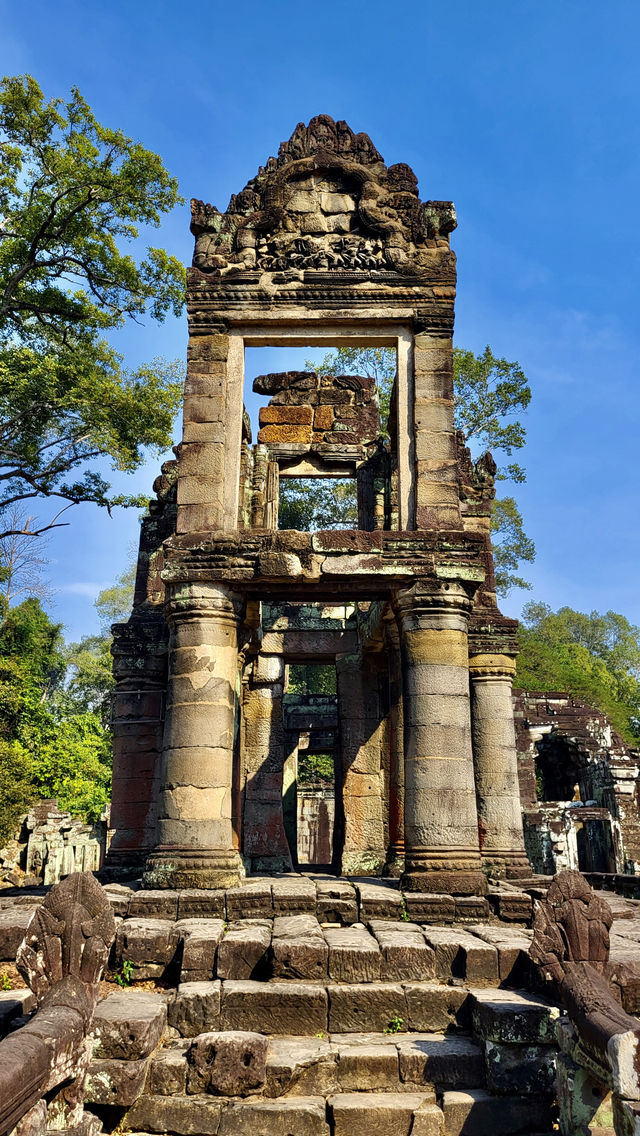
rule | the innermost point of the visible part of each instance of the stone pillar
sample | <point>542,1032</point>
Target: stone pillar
<point>395,850</point>
<point>496,765</point>
<point>440,818</point>
<point>195,834</point>
<point>437,491</point>
<point>264,837</point>
<point>363,851</point>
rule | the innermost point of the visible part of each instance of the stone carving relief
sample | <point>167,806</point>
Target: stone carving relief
<point>570,926</point>
<point>328,202</point>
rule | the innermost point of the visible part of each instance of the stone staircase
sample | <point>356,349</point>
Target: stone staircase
<point>301,1007</point>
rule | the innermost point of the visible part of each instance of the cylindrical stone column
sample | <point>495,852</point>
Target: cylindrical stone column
<point>496,765</point>
<point>440,818</point>
<point>195,837</point>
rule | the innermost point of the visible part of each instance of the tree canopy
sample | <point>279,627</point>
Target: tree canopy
<point>594,657</point>
<point>490,393</point>
<point>73,193</point>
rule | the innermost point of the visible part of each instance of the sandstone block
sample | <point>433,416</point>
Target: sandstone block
<point>128,1025</point>
<point>377,901</point>
<point>200,938</point>
<point>377,1114</point>
<point>298,948</point>
<point>119,897</point>
<point>285,434</point>
<point>436,1008</point>
<point>274,1007</point>
<point>293,895</point>
<point>115,1082</point>
<point>367,1067</point>
<point>287,416</point>
<point>475,1113</point>
<point>230,1064</point>
<point>149,944</point>
<point>512,1016</point>
<point>181,1116</point>
<point>242,952</point>
<point>301,1067</point>
<point>441,1061</point>
<point>461,955</point>
<point>153,905</point>
<point>354,955</point>
<point>365,1006</point>
<point>13,926</point>
<point>520,1069</point>
<point>195,1008</point>
<point>13,1004</point>
<point>168,1072</point>
<point>514,964</point>
<point>336,902</point>
<point>471,908</point>
<point>427,908</point>
<point>428,1120</point>
<point>198,903</point>
<point>302,1116</point>
<point>405,955</point>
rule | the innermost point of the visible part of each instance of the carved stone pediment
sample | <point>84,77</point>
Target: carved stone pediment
<point>326,203</point>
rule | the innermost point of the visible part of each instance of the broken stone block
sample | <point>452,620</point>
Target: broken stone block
<point>513,1017</point>
<point>200,938</point>
<point>377,1114</point>
<point>441,1061</point>
<point>252,899</point>
<point>182,1116</point>
<point>128,1025</point>
<point>510,905</point>
<point>301,1066</point>
<point>476,1113</point>
<point>153,905</point>
<point>354,955</point>
<point>115,1082</point>
<point>336,902</point>
<point>302,1116</point>
<point>378,901</point>
<point>405,954</point>
<point>168,1071</point>
<point>242,951</point>
<point>362,1007</point>
<point>298,948</point>
<point>149,944</point>
<point>195,1008</point>
<point>436,1008</point>
<point>119,897</point>
<point>232,1063</point>
<point>428,1120</point>
<point>461,955</point>
<point>274,1007</point>
<point>512,944</point>
<point>13,927</point>
<point>198,903</point>
<point>520,1069</point>
<point>13,1004</point>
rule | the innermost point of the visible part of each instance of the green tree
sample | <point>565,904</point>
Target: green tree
<point>489,394</point>
<point>311,504</point>
<point>72,194</point>
<point>595,658</point>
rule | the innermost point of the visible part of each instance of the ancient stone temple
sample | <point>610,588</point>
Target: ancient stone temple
<point>326,246</point>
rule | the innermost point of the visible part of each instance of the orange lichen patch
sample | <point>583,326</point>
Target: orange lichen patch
<point>285,434</point>
<point>286,415</point>
<point>323,418</point>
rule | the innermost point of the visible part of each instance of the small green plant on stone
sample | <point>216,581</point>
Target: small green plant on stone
<point>124,977</point>
<point>395,1025</point>
<point>320,1034</point>
<point>5,981</point>
<point>404,913</point>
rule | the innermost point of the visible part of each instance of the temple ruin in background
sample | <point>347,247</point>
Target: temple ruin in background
<point>325,247</point>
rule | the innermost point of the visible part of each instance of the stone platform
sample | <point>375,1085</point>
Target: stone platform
<point>296,1006</point>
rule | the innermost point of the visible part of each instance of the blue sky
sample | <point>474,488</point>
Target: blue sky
<point>524,114</point>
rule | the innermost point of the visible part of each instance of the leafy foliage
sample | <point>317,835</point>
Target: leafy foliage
<point>311,678</point>
<point>315,767</point>
<point>489,393</point>
<point>594,657</point>
<point>72,193</point>
<point>310,504</point>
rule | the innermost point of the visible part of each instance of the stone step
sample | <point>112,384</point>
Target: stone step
<point>316,1066</point>
<point>475,1112</point>
<point>286,1007</point>
<point>299,947</point>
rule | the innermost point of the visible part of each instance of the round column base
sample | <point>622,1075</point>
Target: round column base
<point>456,871</point>
<point>509,864</point>
<point>186,868</point>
